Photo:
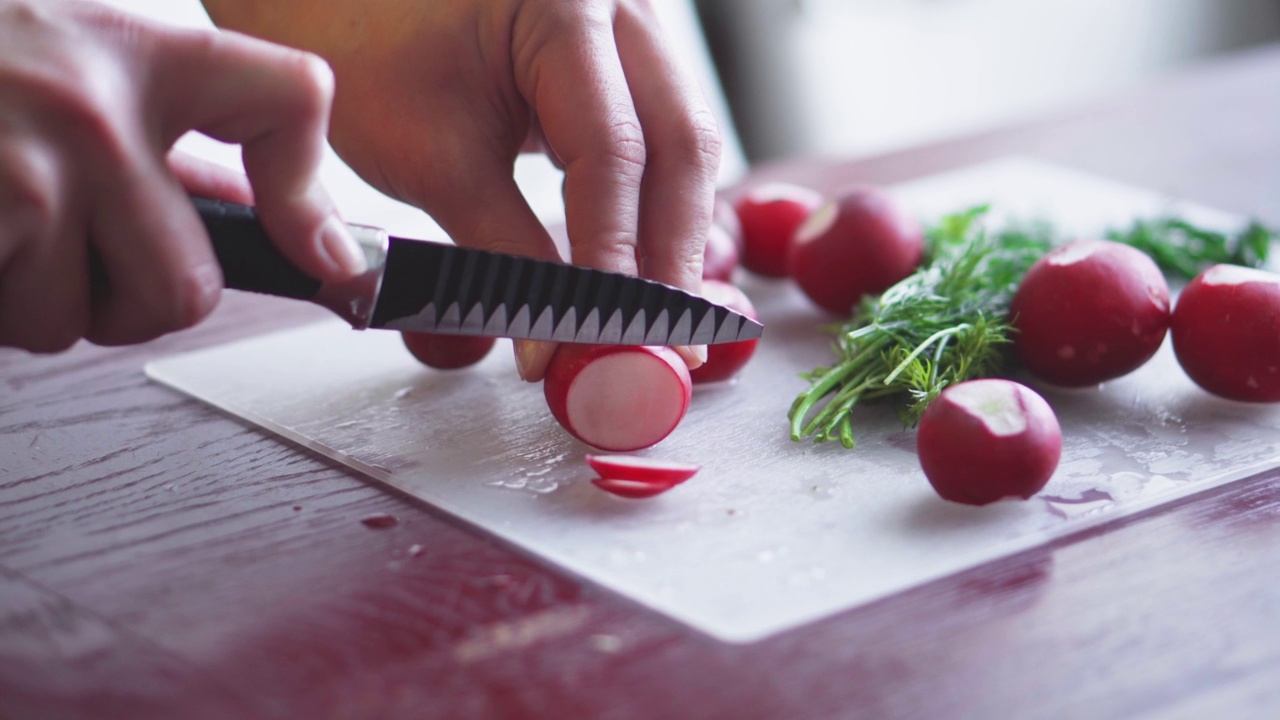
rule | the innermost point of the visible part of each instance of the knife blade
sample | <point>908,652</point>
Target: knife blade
<point>420,286</point>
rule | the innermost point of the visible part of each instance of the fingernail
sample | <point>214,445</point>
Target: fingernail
<point>532,358</point>
<point>345,255</point>
<point>694,355</point>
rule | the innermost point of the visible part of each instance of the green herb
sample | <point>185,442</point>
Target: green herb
<point>1184,250</point>
<point>947,322</point>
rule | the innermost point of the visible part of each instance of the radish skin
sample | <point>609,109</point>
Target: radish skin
<point>984,440</point>
<point>769,215</point>
<point>725,360</point>
<point>635,468</point>
<point>858,243</point>
<point>1089,311</point>
<point>1226,333</point>
<point>631,489</point>
<point>615,397</point>
<point>447,352</point>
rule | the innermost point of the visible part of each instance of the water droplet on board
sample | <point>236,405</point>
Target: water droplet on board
<point>606,643</point>
<point>402,393</point>
<point>379,521</point>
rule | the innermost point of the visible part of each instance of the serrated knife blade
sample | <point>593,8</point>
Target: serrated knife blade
<point>420,286</point>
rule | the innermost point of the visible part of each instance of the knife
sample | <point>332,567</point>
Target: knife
<point>421,286</point>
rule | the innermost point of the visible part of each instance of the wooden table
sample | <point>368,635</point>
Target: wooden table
<point>159,559</point>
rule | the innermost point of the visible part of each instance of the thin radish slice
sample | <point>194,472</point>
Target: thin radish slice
<point>635,468</point>
<point>618,398</point>
<point>631,489</point>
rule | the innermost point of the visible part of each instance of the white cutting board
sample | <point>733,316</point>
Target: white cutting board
<point>770,534</point>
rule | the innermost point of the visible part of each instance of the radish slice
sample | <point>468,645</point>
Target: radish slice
<point>631,489</point>
<point>618,398</point>
<point>634,468</point>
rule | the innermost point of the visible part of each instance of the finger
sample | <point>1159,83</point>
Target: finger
<point>682,141</point>
<point>203,178</point>
<point>578,91</point>
<point>274,102</point>
<point>160,271</point>
<point>44,283</point>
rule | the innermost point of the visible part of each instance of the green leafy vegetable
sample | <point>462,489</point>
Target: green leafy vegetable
<point>948,323</point>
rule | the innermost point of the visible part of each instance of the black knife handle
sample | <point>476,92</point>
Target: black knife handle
<point>250,261</point>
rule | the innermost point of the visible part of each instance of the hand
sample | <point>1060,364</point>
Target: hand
<point>435,100</point>
<point>91,101</point>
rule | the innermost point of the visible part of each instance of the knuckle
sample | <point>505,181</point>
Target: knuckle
<point>698,139</point>
<point>625,146</point>
<point>311,80</point>
<point>192,295</point>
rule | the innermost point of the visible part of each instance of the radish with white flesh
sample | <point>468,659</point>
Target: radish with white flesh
<point>447,352</point>
<point>719,256</point>
<point>984,440</point>
<point>631,489</point>
<point>1089,311</point>
<point>724,360</point>
<point>859,243</point>
<point>770,215</point>
<point>725,217</point>
<point>1226,333</point>
<point>636,468</point>
<point>617,397</point>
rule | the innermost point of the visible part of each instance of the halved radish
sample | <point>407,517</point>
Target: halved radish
<point>1226,333</point>
<point>770,214</point>
<point>724,360</point>
<point>984,440</point>
<point>631,489</point>
<point>447,352</point>
<point>617,397</point>
<point>636,468</point>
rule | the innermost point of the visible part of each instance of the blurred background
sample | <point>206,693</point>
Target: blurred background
<point>852,78</point>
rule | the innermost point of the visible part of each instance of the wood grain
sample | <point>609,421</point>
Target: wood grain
<point>159,559</point>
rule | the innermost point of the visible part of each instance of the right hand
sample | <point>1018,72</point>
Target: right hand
<point>91,103</point>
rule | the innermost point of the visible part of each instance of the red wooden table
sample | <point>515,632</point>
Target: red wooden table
<point>160,559</point>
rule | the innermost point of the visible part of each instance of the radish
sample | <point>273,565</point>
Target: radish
<point>447,352</point>
<point>1089,311</point>
<point>770,215</point>
<point>635,468</point>
<point>631,489</point>
<point>724,360</point>
<point>1226,332</point>
<point>617,397</point>
<point>857,244</point>
<point>984,440</point>
<point>725,217</point>
<point>719,255</point>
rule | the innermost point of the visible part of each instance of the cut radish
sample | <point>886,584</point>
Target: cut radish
<point>1089,311</point>
<point>857,244</point>
<point>631,489</point>
<point>719,255</point>
<point>447,352</point>
<point>617,397</point>
<point>770,214</point>
<point>724,360</point>
<point>635,468</point>
<point>984,440</point>
<point>1226,333</point>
